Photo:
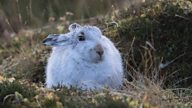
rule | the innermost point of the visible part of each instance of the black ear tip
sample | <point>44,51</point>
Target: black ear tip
<point>46,40</point>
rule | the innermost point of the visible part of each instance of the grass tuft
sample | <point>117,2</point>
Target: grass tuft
<point>155,41</point>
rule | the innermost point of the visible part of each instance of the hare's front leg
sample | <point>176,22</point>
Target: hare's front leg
<point>89,85</point>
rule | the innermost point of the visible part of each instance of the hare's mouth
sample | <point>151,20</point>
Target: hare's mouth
<point>99,59</point>
<point>94,61</point>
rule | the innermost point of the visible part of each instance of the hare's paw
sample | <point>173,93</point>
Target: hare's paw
<point>89,85</point>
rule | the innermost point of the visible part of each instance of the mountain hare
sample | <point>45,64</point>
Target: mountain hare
<point>83,58</point>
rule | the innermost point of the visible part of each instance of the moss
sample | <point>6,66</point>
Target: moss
<point>8,90</point>
<point>167,25</point>
<point>26,61</point>
<point>168,28</point>
<point>144,36</point>
<point>104,99</point>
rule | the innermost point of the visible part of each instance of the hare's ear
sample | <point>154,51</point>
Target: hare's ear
<point>57,40</point>
<point>74,26</point>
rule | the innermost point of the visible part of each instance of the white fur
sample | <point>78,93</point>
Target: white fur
<point>71,64</point>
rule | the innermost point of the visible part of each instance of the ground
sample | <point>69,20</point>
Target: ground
<point>155,42</point>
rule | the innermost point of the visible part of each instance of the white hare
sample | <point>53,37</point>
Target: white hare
<point>83,58</point>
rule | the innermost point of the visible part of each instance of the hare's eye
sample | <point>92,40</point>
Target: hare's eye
<point>81,38</point>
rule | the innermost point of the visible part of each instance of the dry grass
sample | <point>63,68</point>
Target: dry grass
<point>23,61</point>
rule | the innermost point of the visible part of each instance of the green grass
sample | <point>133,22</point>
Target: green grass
<point>165,29</point>
<point>11,92</point>
<point>156,33</point>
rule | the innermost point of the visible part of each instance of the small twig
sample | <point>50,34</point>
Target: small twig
<point>182,80</point>
<point>172,73</point>
<point>150,45</point>
<point>112,23</point>
<point>38,103</point>
<point>6,97</point>
<point>162,66</point>
<point>172,89</point>
<point>182,17</point>
<point>117,43</point>
<point>119,94</point>
<point>131,45</point>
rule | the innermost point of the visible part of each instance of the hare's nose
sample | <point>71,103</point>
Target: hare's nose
<point>100,52</point>
<point>99,49</point>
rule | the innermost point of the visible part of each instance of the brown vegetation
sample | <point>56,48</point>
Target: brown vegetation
<point>155,42</point>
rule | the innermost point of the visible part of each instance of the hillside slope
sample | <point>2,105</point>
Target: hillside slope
<point>155,41</point>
